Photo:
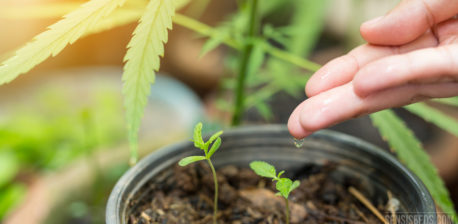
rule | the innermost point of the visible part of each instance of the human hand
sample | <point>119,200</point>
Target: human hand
<point>411,55</point>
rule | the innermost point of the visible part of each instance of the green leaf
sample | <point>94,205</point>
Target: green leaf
<point>452,101</point>
<point>284,186</point>
<point>9,167</point>
<point>264,110</point>
<point>410,152</point>
<point>308,13</point>
<point>214,41</point>
<point>435,116</point>
<point>142,60</point>
<point>10,198</point>
<point>197,137</point>
<point>295,185</point>
<point>214,147</point>
<point>263,169</point>
<point>58,35</point>
<point>181,3</point>
<point>213,138</point>
<point>256,58</point>
<point>280,173</point>
<point>190,159</point>
<point>120,17</point>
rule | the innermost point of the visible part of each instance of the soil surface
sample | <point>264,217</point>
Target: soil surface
<point>184,195</point>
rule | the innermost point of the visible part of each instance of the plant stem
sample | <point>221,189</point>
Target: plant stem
<point>243,69</point>
<point>287,210</point>
<point>215,201</point>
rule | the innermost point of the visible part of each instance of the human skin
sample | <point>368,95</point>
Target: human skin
<point>411,55</point>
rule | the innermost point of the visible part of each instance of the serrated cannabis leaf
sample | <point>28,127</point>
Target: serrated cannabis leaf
<point>214,147</point>
<point>435,116</point>
<point>411,153</point>
<point>263,169</point>
<point>191,159</point>
<point>142,61</point>
<point>58,35</point>
<point>452,101</point>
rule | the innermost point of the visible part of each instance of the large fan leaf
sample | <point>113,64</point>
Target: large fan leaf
<point>452,101</point>
<point>410,152</point>
<point>129,13</point>
<point>142,60</point>
<point>435,116</point>
<point>59,35</point>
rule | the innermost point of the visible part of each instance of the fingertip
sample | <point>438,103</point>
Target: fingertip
<point>370,25</point>
<point>294,125</point>
<point>312,87</point>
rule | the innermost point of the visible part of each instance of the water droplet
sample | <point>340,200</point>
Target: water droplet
<point>298,142</point>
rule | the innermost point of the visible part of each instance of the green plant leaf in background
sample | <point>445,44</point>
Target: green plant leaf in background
<point>307,23</point>
<point>59,35</point>
<point>409,150</point>
<point>142,60</point>
<point>9,167</point>
<point>435,116</point>
<point>130,12</point>
<point>10,198</point>
<point>452,101</point>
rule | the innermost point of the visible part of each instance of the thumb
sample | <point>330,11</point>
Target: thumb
<point>406,22</point>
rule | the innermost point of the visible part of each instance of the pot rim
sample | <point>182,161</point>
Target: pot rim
<point>116,198</point>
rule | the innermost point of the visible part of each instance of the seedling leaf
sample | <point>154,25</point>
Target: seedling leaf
<point>295,185</point>
<point>214,147</point>
<point>197,137</point>
<point>284,186</point>
<point>190,159</point>
<point>280,173</point>
<point>263,169</point>
<point>213,138</point>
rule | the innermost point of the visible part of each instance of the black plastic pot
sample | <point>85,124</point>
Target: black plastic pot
<point>376,169</point>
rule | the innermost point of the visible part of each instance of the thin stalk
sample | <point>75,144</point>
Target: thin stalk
<point>287,210</point>
<point>215,201</point>
<point>243,69</point>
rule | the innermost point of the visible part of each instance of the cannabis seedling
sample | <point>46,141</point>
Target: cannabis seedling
<point>284,185</point>
<point>200,144</point>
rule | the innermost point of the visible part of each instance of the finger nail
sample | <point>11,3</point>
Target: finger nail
<point>373,21</point>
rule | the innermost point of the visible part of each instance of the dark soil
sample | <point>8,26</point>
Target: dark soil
<point>184,195</point>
